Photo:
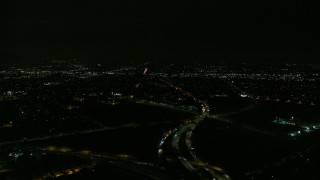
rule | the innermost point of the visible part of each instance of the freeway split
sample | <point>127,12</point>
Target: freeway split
<point>176,146</point>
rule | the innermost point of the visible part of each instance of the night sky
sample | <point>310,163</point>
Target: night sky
<point>203,31</point>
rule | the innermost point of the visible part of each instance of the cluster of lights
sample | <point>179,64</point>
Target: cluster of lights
<point>293,122</point>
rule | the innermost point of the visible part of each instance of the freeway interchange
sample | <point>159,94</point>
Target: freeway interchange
<point>176,145</point>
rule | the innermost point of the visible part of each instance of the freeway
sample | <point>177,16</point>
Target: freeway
<point>106,128</point>
<point>225,117</point>
<point>196,167</point>
<point>123,162</point>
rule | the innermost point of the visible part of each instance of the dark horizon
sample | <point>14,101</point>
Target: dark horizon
<point>204,32</point>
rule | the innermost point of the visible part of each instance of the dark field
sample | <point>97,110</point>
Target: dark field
<point>129,131</point>
<point>249,144</point>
